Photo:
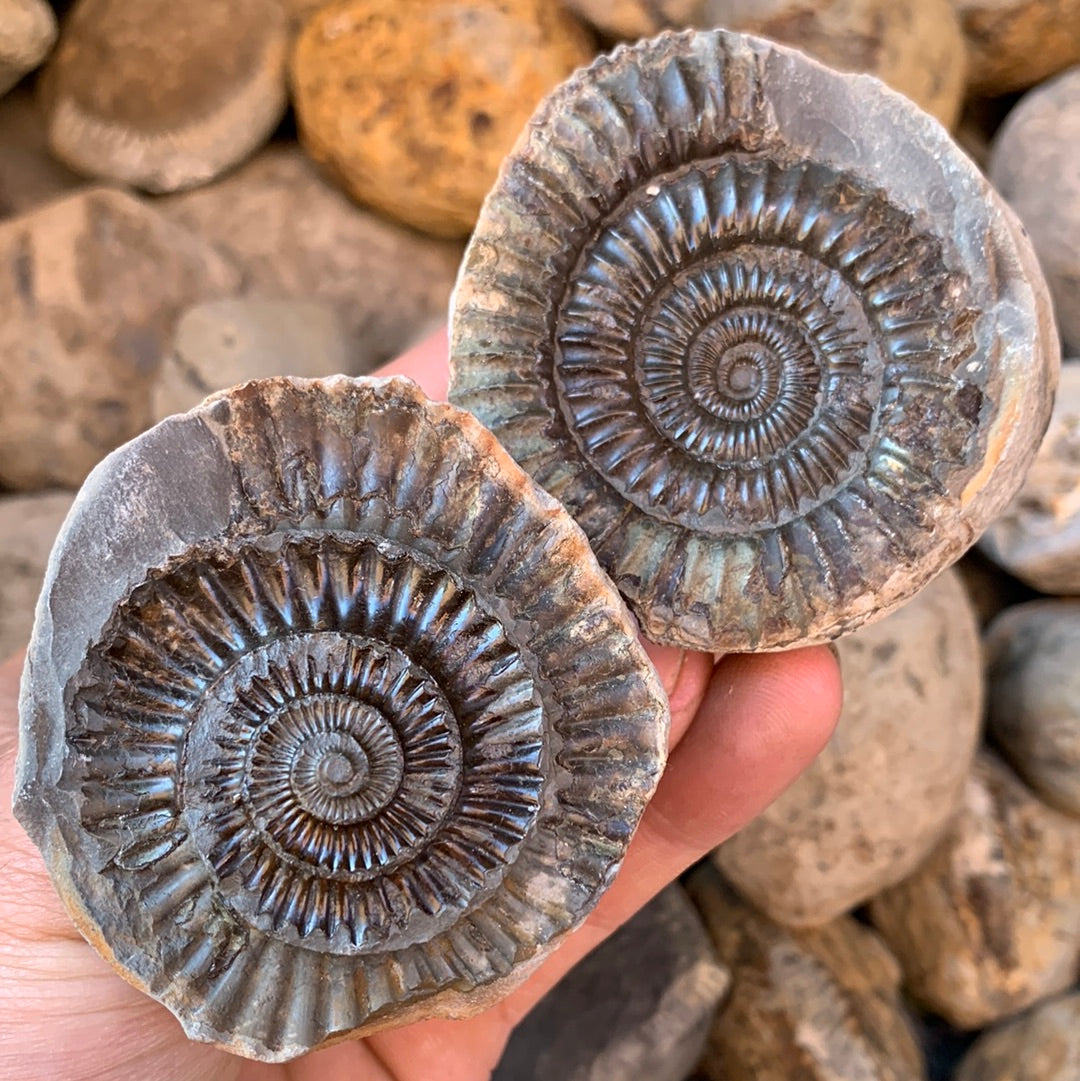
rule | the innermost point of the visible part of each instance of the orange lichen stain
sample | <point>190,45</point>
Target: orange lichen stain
<point>412,105</point>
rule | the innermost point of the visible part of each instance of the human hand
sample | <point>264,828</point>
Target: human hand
<point>742,728</point>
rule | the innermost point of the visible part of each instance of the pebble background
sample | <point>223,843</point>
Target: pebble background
<point>190,199</point>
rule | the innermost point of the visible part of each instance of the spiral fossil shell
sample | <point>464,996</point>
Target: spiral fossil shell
<point>330,718</point>
<point>762,328</point>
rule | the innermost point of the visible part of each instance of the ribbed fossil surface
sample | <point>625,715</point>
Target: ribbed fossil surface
<point>361,729</point>
<point>762,328</point>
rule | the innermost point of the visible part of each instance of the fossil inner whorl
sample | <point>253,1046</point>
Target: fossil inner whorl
<point>725,338</point>
<point>337,743</point>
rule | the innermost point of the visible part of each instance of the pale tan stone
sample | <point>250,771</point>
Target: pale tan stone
<point>165,95</point>
<point>28,527</point>
<point>1037,537</point>
<point>915,47</point>
<point>1035,164</point>
<point>27,33</point>
<point>990,922</point>
<point>878,797</point>
<point>1043,1045</point>
<point>221,343</point>
<point>1033,658</point>
<point>90,289</point>
<point>434,92</point>
<point>295,236</point>
<point>821,1005</point>
<point>1014,44</point>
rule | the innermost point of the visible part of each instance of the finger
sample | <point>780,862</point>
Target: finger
<point>32,911</point>
<point>10,670</point>
<point>427,363</point>
<point>763,720</point>
<point>684,675</point>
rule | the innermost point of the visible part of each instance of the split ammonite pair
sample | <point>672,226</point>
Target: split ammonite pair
<point>331,720</point>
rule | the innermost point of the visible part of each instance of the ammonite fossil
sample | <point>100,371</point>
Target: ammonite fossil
<point>330,719</point>
<point>762,328</point>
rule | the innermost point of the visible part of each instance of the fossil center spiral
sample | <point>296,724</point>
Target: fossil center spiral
<point>723,375</point>
<point>343,760</point>
<point>752,370</point>
<point>742,371</point>
<point>361,758</point>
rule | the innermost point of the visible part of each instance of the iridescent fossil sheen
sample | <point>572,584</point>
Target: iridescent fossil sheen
<point>361,729</point>
<point>734,310</point>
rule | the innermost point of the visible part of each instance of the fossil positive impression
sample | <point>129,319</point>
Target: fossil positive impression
<point>762,328</point>
<point>330,719</point>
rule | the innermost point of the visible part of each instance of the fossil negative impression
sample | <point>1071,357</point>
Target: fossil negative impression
<point>762,328</point>
<point>330,719</point>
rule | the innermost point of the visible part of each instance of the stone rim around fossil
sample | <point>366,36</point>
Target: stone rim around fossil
<point>241,696</point>
<point>703,308</point>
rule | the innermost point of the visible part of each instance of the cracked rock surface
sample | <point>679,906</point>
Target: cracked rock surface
<point>870,807</point>
<point>990,922</point>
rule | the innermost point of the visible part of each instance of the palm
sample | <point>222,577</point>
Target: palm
<point>757,721</point>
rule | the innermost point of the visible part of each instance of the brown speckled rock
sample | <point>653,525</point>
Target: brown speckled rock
<point>989,588</point>
<point>90,289</point>
<point>1033,657</point>
<point>990,922</point>
<point>164,94</point>
<point>638,1008</point>
<point>1037,537</point>
<point>220,343</point>
<point>1014,44</point>
<point>299,11</point>
<point>295,236</point>
<point>347,603</point>
<point>872,805</point>
<point>28,527</point>
<point>979,121</point>
<point>1035,164</point>
<point>638,18</point>
<point>29,174</point>
<point>915,46</point>
<point>27,33</point>
<point>1042,1045</point>
<point>413,104</point>
<point>820,1005</point>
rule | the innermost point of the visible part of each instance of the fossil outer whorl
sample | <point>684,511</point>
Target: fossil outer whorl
<point>762,328</point>
<point>330,719</point>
